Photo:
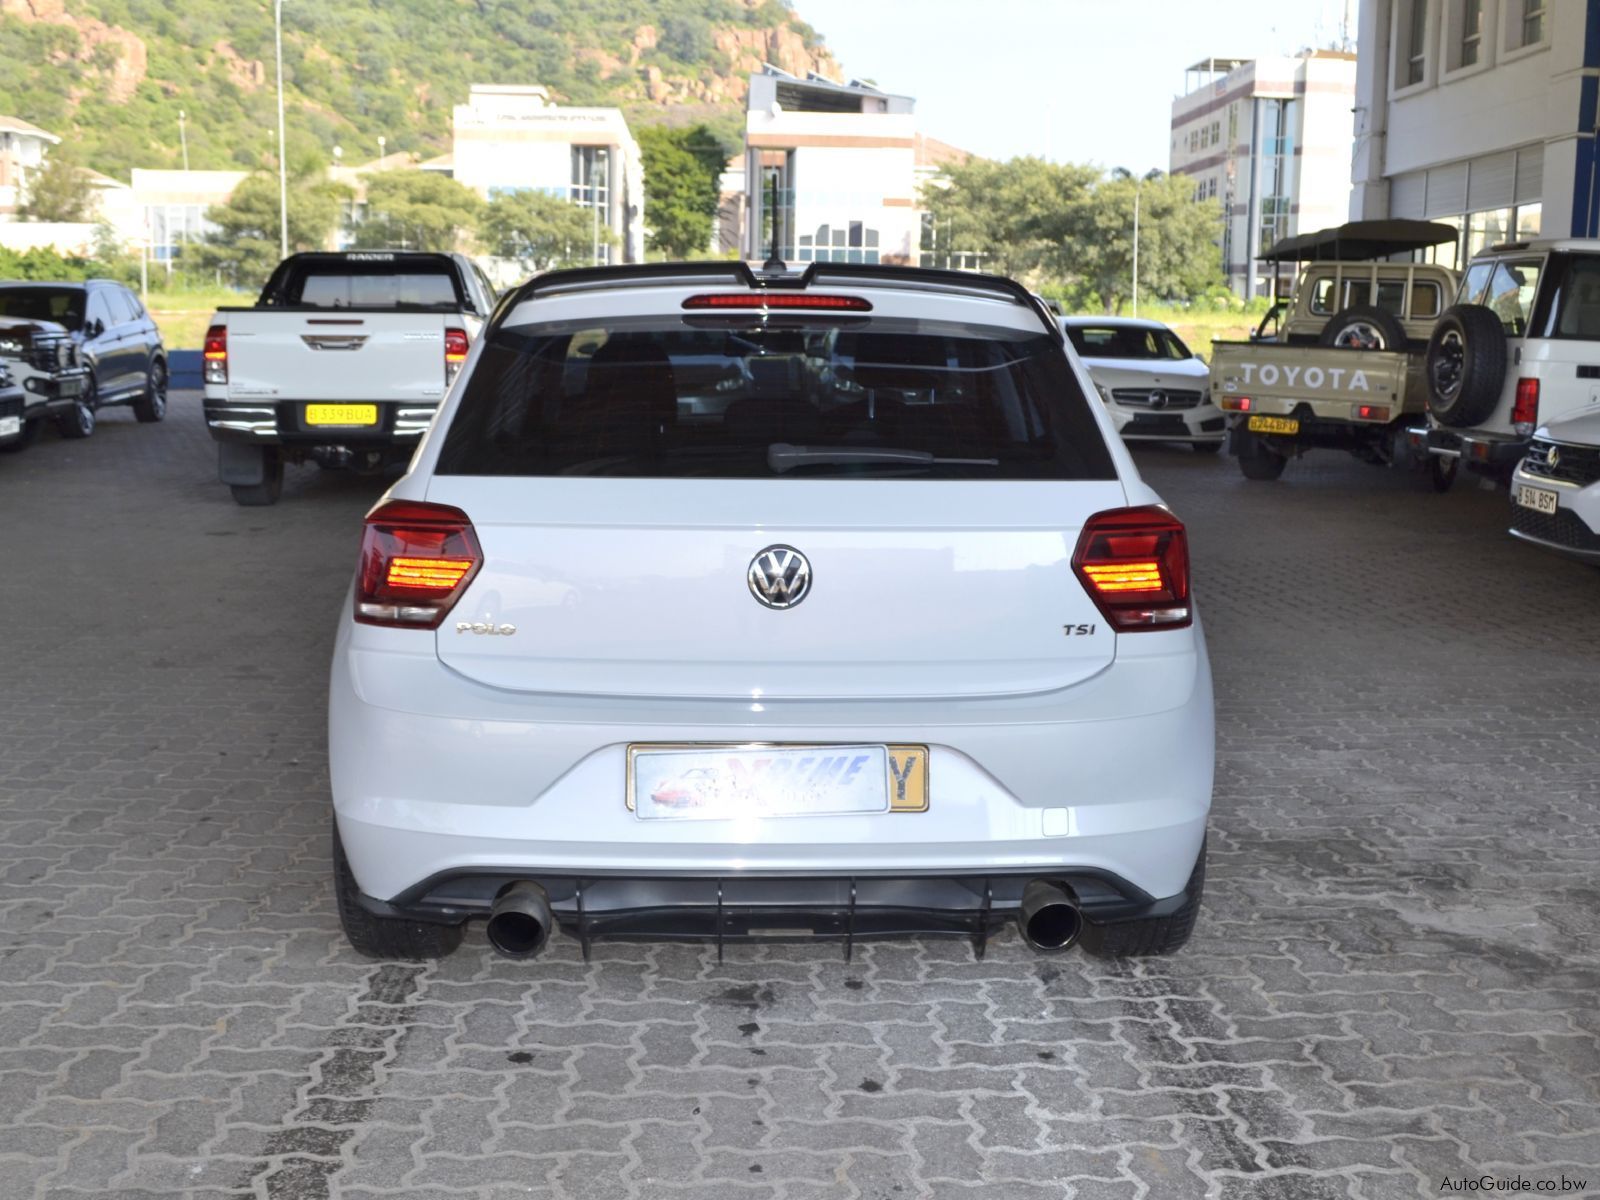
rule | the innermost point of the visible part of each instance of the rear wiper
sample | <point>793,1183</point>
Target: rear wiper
<point>781,457</point>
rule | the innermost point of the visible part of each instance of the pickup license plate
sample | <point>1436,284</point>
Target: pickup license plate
<point>1264,424</point>
<point>1536,498</point>
<point>341,414</point>
<point>708,783</point>
<point>10,426</point>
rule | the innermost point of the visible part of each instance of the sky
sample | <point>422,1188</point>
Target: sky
<point>1068,80</point>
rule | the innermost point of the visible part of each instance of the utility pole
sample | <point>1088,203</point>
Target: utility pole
<point>183,137</point>
<point>283,166</point>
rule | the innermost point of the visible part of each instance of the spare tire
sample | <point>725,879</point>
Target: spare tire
<point>1466,365</point>
<point>1363,327</point>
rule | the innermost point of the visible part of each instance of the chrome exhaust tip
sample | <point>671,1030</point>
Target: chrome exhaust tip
<point>1048,917</point>
<point>520,921</point>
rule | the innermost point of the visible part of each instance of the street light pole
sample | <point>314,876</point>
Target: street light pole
<point>283,166</point>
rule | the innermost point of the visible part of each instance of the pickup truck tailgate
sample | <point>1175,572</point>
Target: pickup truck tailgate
<point>288,355</point>
<point>1269,372</point>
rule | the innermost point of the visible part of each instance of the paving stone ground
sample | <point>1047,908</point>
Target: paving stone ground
<point>1395,982</point>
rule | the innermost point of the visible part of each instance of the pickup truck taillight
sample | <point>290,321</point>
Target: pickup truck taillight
<point>416,561</point>
<point>216,354</point>
<point>1525,408</point>
<point>456,346</point>
<point>1134,563</point>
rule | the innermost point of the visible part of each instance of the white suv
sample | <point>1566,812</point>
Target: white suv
<point>722,605</point>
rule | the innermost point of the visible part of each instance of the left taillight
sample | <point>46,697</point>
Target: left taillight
<point>216,354</point>
<point>416,561</point>
<point>1134,563</point>
<point>456,346</point>
<point>1525,408</point>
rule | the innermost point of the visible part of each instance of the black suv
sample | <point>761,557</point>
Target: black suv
<point>116,339</point>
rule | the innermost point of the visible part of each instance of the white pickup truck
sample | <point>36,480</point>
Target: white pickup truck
<point>343,361</point>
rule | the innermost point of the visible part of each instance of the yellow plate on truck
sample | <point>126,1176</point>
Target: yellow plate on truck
<point>1260,424</point>
<point>341,414</point>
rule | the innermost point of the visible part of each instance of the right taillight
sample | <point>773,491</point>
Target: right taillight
<point>1134,563</point>
<point>216,354</point>
<point>416,561</point>
<point>456,345</point>
<point>1525,408</point>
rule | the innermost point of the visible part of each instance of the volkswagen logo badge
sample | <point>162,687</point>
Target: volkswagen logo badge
<point>1158,399</point>
<point>780,577</point>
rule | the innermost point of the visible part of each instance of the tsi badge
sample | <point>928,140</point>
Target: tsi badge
<point>485,627</point>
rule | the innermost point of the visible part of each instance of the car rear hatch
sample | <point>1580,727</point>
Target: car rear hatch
<point>336,356</point>
<point>932,464</point>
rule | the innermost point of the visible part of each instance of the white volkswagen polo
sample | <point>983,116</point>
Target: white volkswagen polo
<point>728,604</point>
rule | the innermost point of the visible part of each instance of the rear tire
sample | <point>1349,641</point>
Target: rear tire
<point>1149,935</point>
<point>151,405</point>
<point>260,495</point>
<point>1363,327</point>
<point>1442,472</point>
<point>384,937</point>
<point>1466,365</point>
<point>1259,461</point>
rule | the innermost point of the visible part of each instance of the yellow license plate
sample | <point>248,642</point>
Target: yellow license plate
<point>341,414</point>
<point>1260,424</point>
<point>697,779</point>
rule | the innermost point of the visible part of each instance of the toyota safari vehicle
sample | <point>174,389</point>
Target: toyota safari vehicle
<point>1154,386</point>
<point>869,628</point>
<point>1519,348</point>
<point>1344,368</point>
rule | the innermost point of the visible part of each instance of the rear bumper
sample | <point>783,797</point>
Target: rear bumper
<point>283,423</point>
<point>742,908</point>
<point>1110,778</point>
<point>1315,433</point>
<point>1471,447</point>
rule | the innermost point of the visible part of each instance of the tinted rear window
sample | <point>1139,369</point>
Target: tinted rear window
<point>735,397</point>
<point>64,306</point>
<point>402,284</point>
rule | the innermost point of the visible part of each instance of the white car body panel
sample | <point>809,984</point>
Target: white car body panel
<point>334,356</point>
<point>1582,500</point>
<point>936,619</point>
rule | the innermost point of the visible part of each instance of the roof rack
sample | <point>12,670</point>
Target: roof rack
<point>742,274</point>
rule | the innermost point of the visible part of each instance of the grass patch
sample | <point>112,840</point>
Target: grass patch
<point>182,315</point>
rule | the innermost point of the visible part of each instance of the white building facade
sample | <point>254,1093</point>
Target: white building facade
<point>1480,114</point>
<point>509,138</point>
<point>23,149</point>
<point>836,164</point>
<point>1270,139</point>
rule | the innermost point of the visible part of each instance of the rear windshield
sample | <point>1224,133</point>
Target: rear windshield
<point>1125,341</point>
<point>64,306</point>
<point>1569,305</point>
<point>738,397</point>
<point>407,283</point>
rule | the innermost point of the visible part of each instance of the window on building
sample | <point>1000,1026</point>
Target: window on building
<point>1488,228</point>
<point>591,189</point>
<point>1471,32</point>
<point>1415,42</point>
<point>850,242</point>
<point>1216,132</point>
<point>1275,180</point>
<point>1528,221</point>
<point>1532,22</point>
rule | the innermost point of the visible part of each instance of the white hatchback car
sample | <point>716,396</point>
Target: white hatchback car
<point>866,627</point>
<point>1155,387</point>
<point>1555,492</point>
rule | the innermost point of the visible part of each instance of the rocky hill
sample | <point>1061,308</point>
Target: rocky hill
<point>113,76</point>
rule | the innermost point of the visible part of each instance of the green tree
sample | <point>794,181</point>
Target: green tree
<point>59,191</point>
<point>245,246</point>
<point>1009,212</point>
<point>540,232</point>
<point>417,210</point>
<point>682,168</point>
<point>1178,255</point>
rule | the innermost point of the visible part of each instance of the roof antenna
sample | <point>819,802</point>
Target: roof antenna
<point>775,257</point>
